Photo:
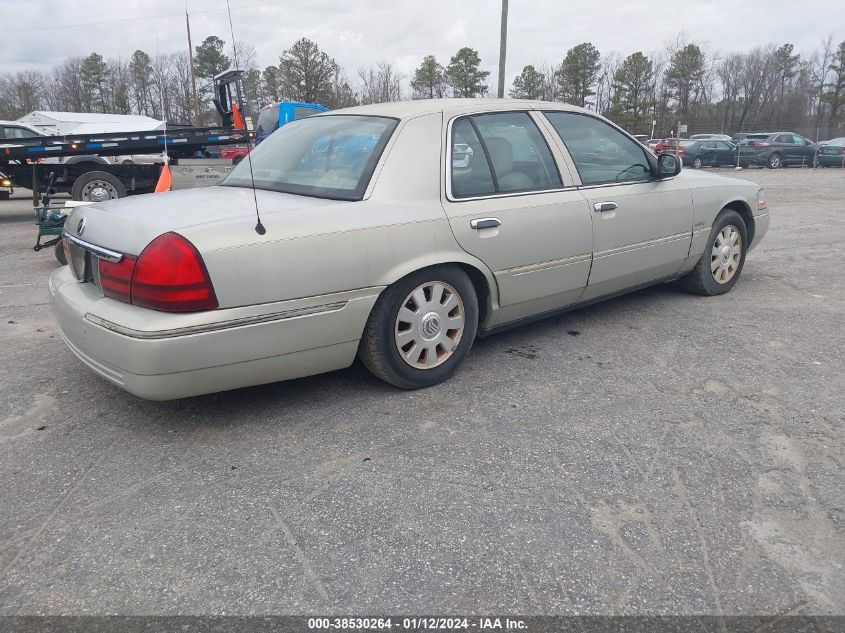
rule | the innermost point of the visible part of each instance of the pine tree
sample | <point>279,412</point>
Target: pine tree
<point>464,75</point>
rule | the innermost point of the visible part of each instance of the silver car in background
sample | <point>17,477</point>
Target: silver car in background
<point>398,232</point>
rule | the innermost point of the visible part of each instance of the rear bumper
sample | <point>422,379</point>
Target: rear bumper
<point>832,160</point>
<point>161,357</point>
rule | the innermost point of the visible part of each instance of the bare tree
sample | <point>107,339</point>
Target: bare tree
<point>380,84</point>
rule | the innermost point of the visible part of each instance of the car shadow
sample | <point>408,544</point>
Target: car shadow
<point>355,382</point>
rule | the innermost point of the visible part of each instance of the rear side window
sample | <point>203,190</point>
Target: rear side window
<point>784,138</point>
<point>300,112</point>
<point>268,119</point>
<point>601,153</point>
<point>500,153</point>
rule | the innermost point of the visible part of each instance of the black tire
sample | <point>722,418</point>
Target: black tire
<point>78,191</point>
<point>379,350</point>
<point>60,253</point>
<point>775,161</point>
<point>237,160</point>
<point>697,163</point>
<point>700,280</point>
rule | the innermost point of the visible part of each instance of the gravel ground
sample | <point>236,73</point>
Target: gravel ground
<point>660,453</point>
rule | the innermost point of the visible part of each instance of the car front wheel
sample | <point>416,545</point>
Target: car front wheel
<point>721,264</point>
<point>697,163</point>
<point>421,328</point>
<point>775,161</point>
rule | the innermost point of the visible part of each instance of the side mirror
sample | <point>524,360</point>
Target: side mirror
<point>668,165</point>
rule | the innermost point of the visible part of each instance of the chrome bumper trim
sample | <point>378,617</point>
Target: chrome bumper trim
<point>213,327</point>
<point>99,251</point>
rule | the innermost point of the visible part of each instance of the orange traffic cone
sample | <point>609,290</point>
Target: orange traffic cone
<point>237,118</point>
<point>164,180</point>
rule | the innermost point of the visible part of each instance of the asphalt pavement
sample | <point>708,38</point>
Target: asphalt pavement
<point>660,453</point>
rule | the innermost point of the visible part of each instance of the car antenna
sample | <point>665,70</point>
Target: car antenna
<point>259,228</point>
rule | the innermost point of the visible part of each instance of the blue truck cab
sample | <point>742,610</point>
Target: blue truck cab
<point>275,115</point>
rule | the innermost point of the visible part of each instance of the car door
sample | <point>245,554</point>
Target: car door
<point>725,153</point>
<point>509,205</point>
<point>642,225</point>
<point>805,149</point>
<point>785,146</point>
<point>708,152</point>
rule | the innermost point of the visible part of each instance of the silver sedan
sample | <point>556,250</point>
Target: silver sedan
<point>397,232</point>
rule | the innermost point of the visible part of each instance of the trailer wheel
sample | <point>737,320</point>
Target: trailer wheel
<point>97,186</point>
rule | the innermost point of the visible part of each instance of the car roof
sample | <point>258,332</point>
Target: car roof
<point>451,106</point>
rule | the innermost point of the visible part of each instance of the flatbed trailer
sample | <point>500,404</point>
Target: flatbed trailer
<point>79,169</point>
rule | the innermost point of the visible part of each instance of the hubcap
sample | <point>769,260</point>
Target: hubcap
<point>775,161</point>
<point>98,191</point>
<point>429,325</point>
<point>726,254</point>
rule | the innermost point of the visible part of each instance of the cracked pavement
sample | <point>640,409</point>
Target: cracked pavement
<point>660,453</point>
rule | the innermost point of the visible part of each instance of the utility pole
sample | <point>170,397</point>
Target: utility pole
<point>503,46</point>
<point>191,62</point>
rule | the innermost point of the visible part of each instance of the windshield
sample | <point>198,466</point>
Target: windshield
<point>322,156</point>
<point>268,118</point>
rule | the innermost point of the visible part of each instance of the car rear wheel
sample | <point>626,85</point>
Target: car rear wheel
<point>421,328</point>
<point>775,161</point>
<point>721,264</point>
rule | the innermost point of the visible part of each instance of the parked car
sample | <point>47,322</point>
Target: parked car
<point>273,116</point>
<point>667,145</point>
<point>698,154</point>
<point>711,137</point>
<point>375,239</point>
<point>778,149</point>
<point>652,143</point>
<point>642,138</point>
<point>832,153</point>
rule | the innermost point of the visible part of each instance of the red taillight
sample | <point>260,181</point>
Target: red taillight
<point>116,278</point>
<point>171,276</point>
<point>681,151</point>
<point>762,144</point>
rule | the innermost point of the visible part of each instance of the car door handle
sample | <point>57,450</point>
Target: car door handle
<point>605,206</point>
<point>485,223</point>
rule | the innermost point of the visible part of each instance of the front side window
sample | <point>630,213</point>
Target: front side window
<point>601,153</point>
<point>500,153</point>
<point>799,140</point>
<point>326,157</point>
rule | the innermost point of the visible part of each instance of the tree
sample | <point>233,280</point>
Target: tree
<point>632,92</point>
<point>577,74</point>
<point>429,81</point>
<point>209,60</point>
<point>464,75</point>
<point>306,72</point>
<point>835,96</point>
<point>379,84</point>
<point>94,76</point>
<point>342,94</point>
<point>271,83</point>
<point>529,84</point>
<point>684,78</point>
<point>140,73</point>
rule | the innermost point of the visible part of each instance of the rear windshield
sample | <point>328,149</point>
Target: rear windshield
<point>329,156</point>
<point>268,118</point>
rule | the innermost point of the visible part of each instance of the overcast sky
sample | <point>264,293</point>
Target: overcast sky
<point>361,32</point>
